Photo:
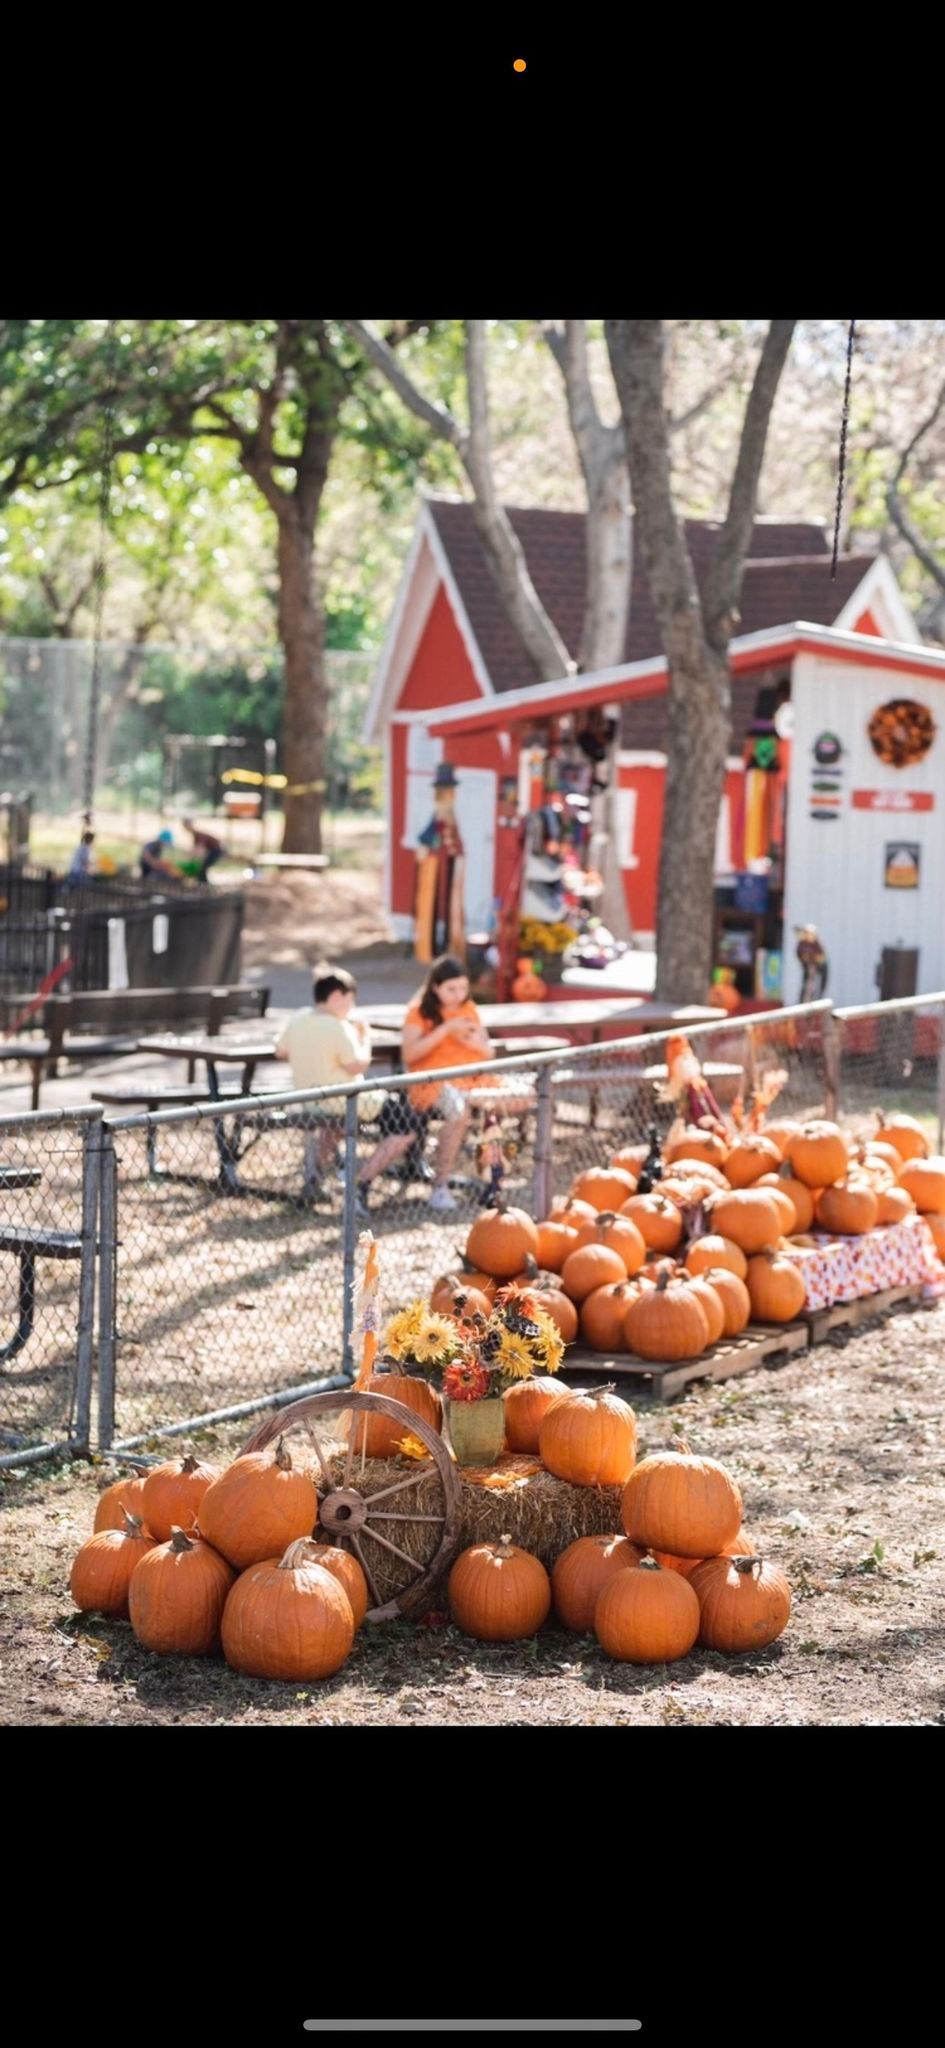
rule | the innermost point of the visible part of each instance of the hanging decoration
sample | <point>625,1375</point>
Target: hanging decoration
<point>841,467</point>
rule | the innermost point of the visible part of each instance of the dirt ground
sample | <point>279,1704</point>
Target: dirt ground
<point>294,920</point>
<point>839,1457</point>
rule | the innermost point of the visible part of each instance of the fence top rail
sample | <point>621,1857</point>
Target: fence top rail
<point>643,1043</point>
<point>46,1119</point>
<point>882,1009</point>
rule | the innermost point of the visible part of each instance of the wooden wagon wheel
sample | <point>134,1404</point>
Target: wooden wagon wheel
<point>349,1515</point>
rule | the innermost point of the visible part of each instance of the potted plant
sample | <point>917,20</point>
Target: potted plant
<point>472,1361</point>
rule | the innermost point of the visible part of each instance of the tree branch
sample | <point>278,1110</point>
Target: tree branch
<point>636,349</point>
<point>725,573</point>
<point>435,416</point>
<point>894,506</point>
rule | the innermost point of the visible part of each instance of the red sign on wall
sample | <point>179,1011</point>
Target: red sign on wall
<point>893,800</point>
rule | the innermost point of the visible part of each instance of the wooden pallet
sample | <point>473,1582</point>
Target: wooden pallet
<point>735,1355</point>
<point>821,1321</point>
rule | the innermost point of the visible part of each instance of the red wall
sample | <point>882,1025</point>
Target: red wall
<point>441,673</point>
<point>641,883</point>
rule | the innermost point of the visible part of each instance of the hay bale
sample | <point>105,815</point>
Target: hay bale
<point>540,1513</point>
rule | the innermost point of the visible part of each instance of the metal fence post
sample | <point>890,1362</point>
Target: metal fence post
<point>941,1078</point>
<point>349,1235</point>
<point>91,1173</point>
<point>833,1046</point>
<point>107,1272</point>
<point>542,1185</point>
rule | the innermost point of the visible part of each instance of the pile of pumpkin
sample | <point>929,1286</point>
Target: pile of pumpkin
<point>199,1560</point>
<point>680,1572</point>
<point>605,1263</point>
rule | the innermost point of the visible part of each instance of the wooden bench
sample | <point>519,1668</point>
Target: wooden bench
<point>32,1053</point>
<point>151,1095</point>
<point>121,1015</point>
<point>28,1245</point>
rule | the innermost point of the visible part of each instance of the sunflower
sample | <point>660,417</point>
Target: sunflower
<point>465,1380</point>
<point>411,1447</point>
<point>434,1338</point>
<point>515,1356</point>
<point>548,1346</point>
<point>400,1335</point>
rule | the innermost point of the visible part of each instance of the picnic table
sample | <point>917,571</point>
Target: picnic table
<point>245,1052</point>
<point>567,1018</point>
<point>12,1177</point>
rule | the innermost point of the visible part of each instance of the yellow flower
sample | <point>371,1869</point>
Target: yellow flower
<point>435,1337</point>
<point>401,1332</point>
<point>550,1344</point>
<point>515,1356</point>
<point>411,1447</point>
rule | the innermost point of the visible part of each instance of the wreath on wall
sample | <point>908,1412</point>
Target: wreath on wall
<point>901,732</point>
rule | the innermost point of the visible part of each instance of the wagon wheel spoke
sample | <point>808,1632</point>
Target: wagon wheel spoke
<point>388,1515</point>
<point>416,1564</point>
<point>401,1485</point>
<point>365,1567</point>
<point>320,1455</point>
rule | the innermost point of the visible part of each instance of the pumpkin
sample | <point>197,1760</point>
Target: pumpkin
<point>749,1158</point>
<point>580,1574</point>
<point>589,1439</point>
<point>122,1498</point>
<point>817,1154</point>
<point>893,1205</point>
<point>924,1180</point>
<point>800,1197</point>
<point>348,1573</point>
<point>667,1321</point>
<point>258,1505</point>
<point>455,1297</point>
<point>605,1187</point>
<point>528,986</point>
<point>658,1221</point>
<point>696,1169</point>
<point>709,1303</point>
<point>781,1131</point>
<point>646,1615</point>
<point>380,1435</point>
<point>177,1595</point>
<point>556,1304</point>
<point>619,1234</point>
<point>525,1405</point>
<point>744,1603</point>
<point>603,1314</point>
<point>740,1546</point>
<point>499,1593</point>
<point>573,1214</point>
<point>594,1266</point>
<point>847,1209</point>
<point>467,1277</point>
<point>287,1617</point>
<point>936,1225</point>
<point>904,1133</point>
<point>879,1148</point>
<point>678,1502</point>
<point>102,1568</point>
<point>694,1143</point>
<point>775,1288</point>
<point>555,1241</point>
<point>173,1492</point>
<point>866,1167</point>
<point>630,1159</point>
<point>734,1297</point>
<point>689,1192</point>
<point>716,1251</point>
<point>748,1217</point>
<point>501,1239</point>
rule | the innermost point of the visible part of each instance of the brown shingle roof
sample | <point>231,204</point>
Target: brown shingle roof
<point>554,550</point>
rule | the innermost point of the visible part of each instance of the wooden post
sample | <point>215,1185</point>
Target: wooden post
<point>833,1048</point>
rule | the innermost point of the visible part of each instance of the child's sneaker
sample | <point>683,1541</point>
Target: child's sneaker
<point>441,1198</point>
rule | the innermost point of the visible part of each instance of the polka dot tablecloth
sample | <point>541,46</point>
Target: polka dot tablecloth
<point>847,1268</point>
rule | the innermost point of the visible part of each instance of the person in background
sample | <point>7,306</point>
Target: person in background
<point>441,1029</point>
<point>80,866</point>
<point>324,1044</point>
<point>153,858</point>
<point>207,849</point>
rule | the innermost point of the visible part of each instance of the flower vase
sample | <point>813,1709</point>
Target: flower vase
<point>476,1429</point>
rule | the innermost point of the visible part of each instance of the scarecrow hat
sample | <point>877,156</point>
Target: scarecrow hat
<point>445,777</point>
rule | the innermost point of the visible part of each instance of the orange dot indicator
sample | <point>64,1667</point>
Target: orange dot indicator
<point>519,64</point>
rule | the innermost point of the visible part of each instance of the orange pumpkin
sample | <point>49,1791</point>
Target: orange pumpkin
<point>287,1617</point>
<point>467,1277</point>
<point>499,1593</point>
<point>775,1189</point>
<point>605,1187</point>
<point>603,1314</point>
<point>775,1288</point>
<point>667,1321</point>
<point>817,1154</point>
<point>619,1234</point>
<point>657,1220</point>
<point>744,1603</point>
<point>800,1197</point>
<point>102,1568</point>
<point>749,1158</point>
<point>589,1439</point>
<point>177,1595</point>
<point>258,1505</point>
<point>879,1148</point>
<point>579,1575</point>
<point>740,1546</point>
<point>689,1192</point>
<point>696,1169</point>
<point>380,1435</point>
<point>173,1492</point>
<point>716,1251</point>
<point>847,1209</point>
<point>573,1214</point>
<point>734,1297</point>
<point>646,1615</point>
<point>936,1225</point>
<point>501,1239</point>
<point>748,1217</point>
<point>555,1241</point>
<point>348,1573</point>
<point>893,1205</point>
<point>904,1133</point>
<point>695,1143</point>
<point>528,986</point>
<point>630,1159</point>
<point>781,1131</point>
<point>709,1303</point>
<point>122,1498</point>
<point>924,1180</point>
<point>455,1297</point>
<point>678,1502</point>
<point>594,1266</point>
<point>525,1405</point>
<point>559,1307</point>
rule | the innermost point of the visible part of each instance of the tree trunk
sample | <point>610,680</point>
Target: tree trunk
<point>304,716</point>
<point>700,717</point>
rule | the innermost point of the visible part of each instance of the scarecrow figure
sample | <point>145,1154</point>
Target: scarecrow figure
<point>814,964</point>
<point>492,1161</point>
<point>441,867</point>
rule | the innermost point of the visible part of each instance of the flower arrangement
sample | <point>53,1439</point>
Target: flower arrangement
<point>477,1357</point>
<point>536,937</point>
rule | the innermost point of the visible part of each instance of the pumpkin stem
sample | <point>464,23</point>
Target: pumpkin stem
<point>663,1278</point>
<point>606,1218</point>
<point>282,1457</point>
<point>296,1554</point>
<point>133,1524</point>
<point>747,1564</point>
<point>649,1564</point>
<point>678,1443</point>
<point>180,1541</point>
<point>189,1463</point>
<point>597,1393</point>
<point>531,1266</point>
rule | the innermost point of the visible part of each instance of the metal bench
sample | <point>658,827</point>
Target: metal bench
<point>28,1245</point>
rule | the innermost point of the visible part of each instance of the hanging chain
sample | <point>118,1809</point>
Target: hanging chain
<point>104,513</point>
<point>844,423</point>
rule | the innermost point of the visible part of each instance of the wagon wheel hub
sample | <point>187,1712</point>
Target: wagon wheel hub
<point>343,1511</point>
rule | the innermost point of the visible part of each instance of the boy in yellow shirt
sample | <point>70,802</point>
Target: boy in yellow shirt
<point>322,1045</point>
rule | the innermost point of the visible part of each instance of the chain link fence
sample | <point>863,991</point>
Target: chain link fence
<point>888,1057</point>
<point>49,1203</point>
